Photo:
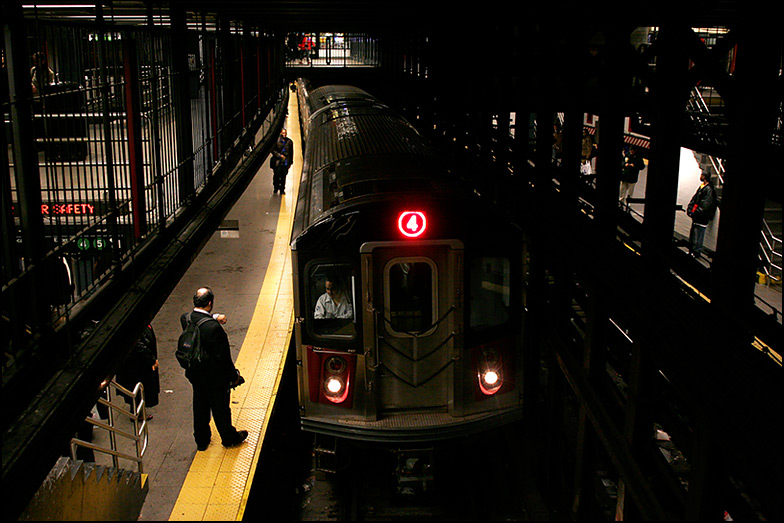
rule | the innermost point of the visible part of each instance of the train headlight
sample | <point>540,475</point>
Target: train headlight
<point>491,377</point>
<point>490,372</point>
<point>335,379</point>
<point>334,386</point>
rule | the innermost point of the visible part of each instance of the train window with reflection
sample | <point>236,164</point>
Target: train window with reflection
<point>410,297</point>
<point>489,284</point>
<point>331,291</point>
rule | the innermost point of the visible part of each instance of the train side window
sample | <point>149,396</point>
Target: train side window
<point>489,291</point>
<point>411,286</point>
<point>331,291</point>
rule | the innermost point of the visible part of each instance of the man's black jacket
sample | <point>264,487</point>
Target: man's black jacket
<point>219,369</point>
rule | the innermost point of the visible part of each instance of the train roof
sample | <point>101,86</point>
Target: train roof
<point>324,96</point>
<point>360,151</point>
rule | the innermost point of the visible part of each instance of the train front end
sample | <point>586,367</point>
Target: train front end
<point>425,345</point>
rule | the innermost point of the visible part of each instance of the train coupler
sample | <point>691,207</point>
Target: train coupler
<point>414,471</point>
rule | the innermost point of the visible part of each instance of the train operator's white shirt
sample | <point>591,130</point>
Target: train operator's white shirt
<point>326,307</point>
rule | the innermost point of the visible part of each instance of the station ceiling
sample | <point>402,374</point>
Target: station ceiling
<point>377,15</point>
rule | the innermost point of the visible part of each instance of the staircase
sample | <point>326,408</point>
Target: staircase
<point>704,129</point>
<point>707,131</point>
<point>79,491</point>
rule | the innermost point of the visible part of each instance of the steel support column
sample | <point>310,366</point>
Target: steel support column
<point>638,421</point>
<point>108,146</point>
<point>182,103</point>
<point>613,78</point>
<point>669,94</point>
<point>594,361</point>
<point>752,168</point>
<point>28,183</point>
<point>708,477</point>
<point>133,122</point>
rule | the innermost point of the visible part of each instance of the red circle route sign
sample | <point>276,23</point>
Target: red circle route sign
<point>412,223</point>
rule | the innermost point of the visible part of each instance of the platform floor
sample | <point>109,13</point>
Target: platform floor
<point>247,264</point>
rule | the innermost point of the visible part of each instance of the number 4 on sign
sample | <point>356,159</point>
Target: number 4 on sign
<point>412,223</point>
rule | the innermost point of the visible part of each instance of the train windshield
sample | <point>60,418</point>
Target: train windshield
<point>332,297</point>
<point>489,291</point>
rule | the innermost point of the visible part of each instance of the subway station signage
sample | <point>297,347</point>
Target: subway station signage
<point>67,209</point>
<point>83,208</point>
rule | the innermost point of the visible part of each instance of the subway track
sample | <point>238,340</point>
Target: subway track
<point>478,478</point>
<point>475,478</point>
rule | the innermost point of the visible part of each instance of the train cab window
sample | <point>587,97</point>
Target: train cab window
<point>331,290</point>
<point>410,297</point>
<point>489,295</point>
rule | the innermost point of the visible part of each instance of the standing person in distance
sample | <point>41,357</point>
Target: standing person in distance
<point>701,209</point>
<point>633,163</point>
<point>282,158</point>
<point>141,365</point>
<point>41,74</point>
<point>212,382</point>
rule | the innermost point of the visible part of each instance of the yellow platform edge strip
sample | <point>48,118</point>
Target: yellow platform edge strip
<point>218,484</point>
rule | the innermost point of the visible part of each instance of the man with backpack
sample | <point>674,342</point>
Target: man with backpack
<point>206,357</point>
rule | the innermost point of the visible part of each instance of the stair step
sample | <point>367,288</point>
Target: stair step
<point>76,490</point>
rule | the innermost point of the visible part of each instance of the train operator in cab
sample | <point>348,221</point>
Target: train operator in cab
<point>333,303</point>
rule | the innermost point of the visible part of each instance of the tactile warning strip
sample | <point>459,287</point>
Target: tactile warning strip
<point>219,480</point>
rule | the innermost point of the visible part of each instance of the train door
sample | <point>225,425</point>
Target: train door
<point>413,322</point>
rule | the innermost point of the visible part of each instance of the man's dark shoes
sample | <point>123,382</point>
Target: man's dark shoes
<point>241,435</point>
<point>202,447</point>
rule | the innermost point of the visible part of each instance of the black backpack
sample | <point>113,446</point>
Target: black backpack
<point>189,351</point>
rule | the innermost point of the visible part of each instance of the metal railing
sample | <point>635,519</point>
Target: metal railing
<point>698,107</point>
<point>332,50</point>
<point>83,203</point>
<point>138,414</point>
<point>770,254</point>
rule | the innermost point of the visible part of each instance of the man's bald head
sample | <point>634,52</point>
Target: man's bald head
<point>203,298</point>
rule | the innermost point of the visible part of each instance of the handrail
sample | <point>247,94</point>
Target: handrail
<point>138,414</point>
<point>769,241</point>
<point>702,107</point>
<point>768,251</point>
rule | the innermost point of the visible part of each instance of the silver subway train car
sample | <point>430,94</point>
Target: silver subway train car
<point>407,288</point>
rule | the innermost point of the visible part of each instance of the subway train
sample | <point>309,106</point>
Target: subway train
<point>407,287</point>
